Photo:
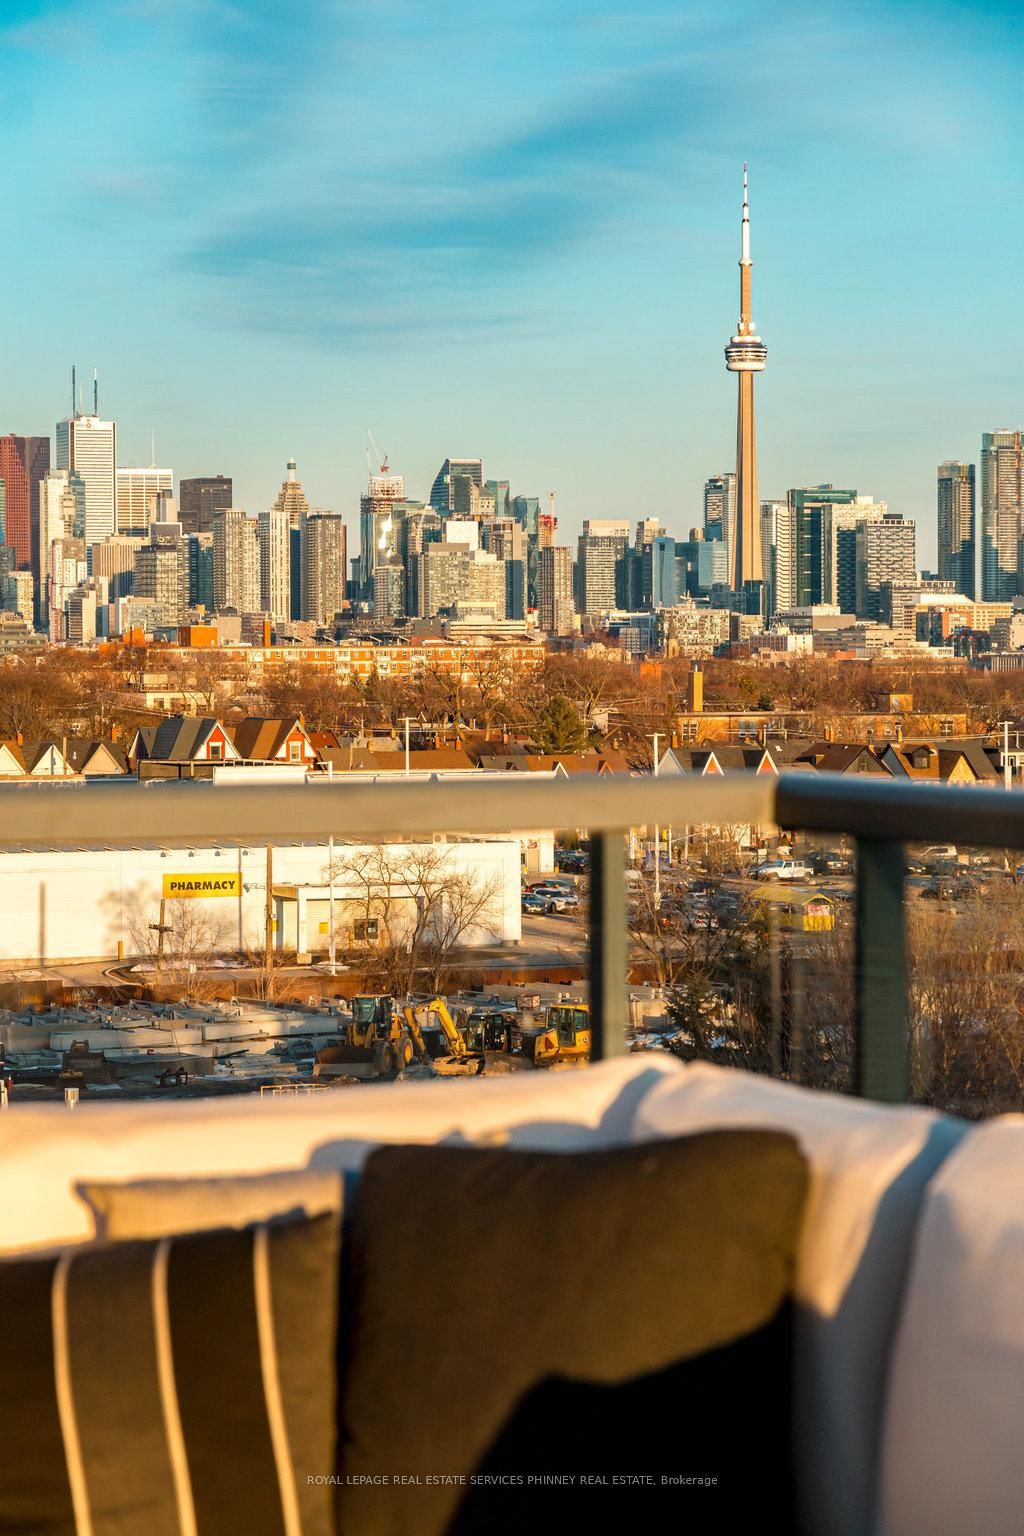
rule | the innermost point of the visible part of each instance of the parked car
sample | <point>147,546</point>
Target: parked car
<point>784,869</point>
<point>533,905</point>
<point>940,853</point>
<point>573,861</point>
<point>825,861</point>
<point>951,888</point>
<point>551,888</point>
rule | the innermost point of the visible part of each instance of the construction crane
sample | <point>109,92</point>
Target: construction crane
<point>374,456</point>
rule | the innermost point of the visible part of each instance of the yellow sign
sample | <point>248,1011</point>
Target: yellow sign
<point>191,886</point>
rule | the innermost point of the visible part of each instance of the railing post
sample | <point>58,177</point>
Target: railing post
<point>881,1066</point>
<point>608,942</point>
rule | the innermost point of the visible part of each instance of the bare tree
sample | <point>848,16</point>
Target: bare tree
<point>182,938</point>
<point>419,905</point>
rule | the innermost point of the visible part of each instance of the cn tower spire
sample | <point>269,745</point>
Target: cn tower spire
<point>745,355</point>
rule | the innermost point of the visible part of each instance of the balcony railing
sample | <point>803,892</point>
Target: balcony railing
<point>880,816</point>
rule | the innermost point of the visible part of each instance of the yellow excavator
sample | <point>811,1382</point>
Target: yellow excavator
<point>563,1036</point>
<point>374,1043</point>
<point>458,1060</point>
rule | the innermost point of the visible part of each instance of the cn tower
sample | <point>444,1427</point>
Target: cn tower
<point>746,355</point>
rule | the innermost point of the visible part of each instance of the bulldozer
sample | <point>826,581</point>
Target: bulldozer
<point>441,1044</point>
<point>373,1044</point>
<point>563,1036</point>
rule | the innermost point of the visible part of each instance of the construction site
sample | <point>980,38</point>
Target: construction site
<point>162,1050</point>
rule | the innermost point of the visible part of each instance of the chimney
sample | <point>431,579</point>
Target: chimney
<point>695,690</point>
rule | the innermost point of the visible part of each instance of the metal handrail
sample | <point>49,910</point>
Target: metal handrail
<point>880,814</point>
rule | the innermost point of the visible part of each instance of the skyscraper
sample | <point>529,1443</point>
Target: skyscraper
<point>200,499</point>
<point>810,513</point>
<point>88,445</point>
<point>658,572</point>
<point>324,567</point>
<point>24,461</point>
<point>450,491</point>
<point>236,562</point>
<point>886,558</point>
<point>136,491</point>
<point>61,518</point>
<point>379,533</point>
<point>719,506</point>
<point>746,355</point>
<point>275,529</point>
<point>601,547</point>
<point>956,525</point>
<point>1002,505</point>
<point>554,590</point>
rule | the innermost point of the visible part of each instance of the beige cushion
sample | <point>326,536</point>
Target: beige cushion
<point>165,1207</point>
<point>952,1452</point>
<point>869,1165</point>
<point>46,1150</point>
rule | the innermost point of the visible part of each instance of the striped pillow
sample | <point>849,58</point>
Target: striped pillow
<point>180,1387</point>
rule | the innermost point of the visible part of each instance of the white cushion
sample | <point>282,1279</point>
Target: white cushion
<point>47,1149</point>
<point>952,1451</point>
<point>868,1168</point>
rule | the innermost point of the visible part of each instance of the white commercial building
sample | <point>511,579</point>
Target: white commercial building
<point>74,903</point>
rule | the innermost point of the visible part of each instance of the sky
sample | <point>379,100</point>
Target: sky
<point>511,231</point>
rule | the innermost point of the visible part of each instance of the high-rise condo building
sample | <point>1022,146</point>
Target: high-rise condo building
<point>136,492</point>
<point>236,562</point>
<point>957,561</point>
<point>554,590</point>
<point>886,558</point>
<point>88,446</point>
<point>450,491</point>
<point>379,526</point>
<point>839,524</point>
<point>658,567</point>
<point>777,553</point>
<point>719,506</point>
<point>24,461</point>
<point>1002,509</point>
<point>810,511</point>
<point>746,355</point>
<point>61,516</point>
<point>324,567</point>
<point>275,530</point>
<point>601,546</point>
<point>201,498</point>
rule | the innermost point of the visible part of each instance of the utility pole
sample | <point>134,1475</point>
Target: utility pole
<point>161,929</point>
<point>330,890</point>
<point>407,718</point>
<point>656,737</point>
<point>269,918</point>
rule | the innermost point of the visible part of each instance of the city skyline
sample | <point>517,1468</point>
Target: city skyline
<point>583,248</point>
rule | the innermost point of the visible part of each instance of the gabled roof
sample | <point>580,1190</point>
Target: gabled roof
<point>95,757</point>
<point>845,757</point>
<point>322,739</point>
<point>976,758</point>
<point>721,759</point>
<point>36,753</point>
<point>260,740</point>
<point>180,738</point>
<point>12,759</point>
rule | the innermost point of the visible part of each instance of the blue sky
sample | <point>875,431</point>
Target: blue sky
<point>512,230</point>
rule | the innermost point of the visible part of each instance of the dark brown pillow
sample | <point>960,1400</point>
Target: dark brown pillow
<point>514,1320</point>
<point>151,1388</point>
